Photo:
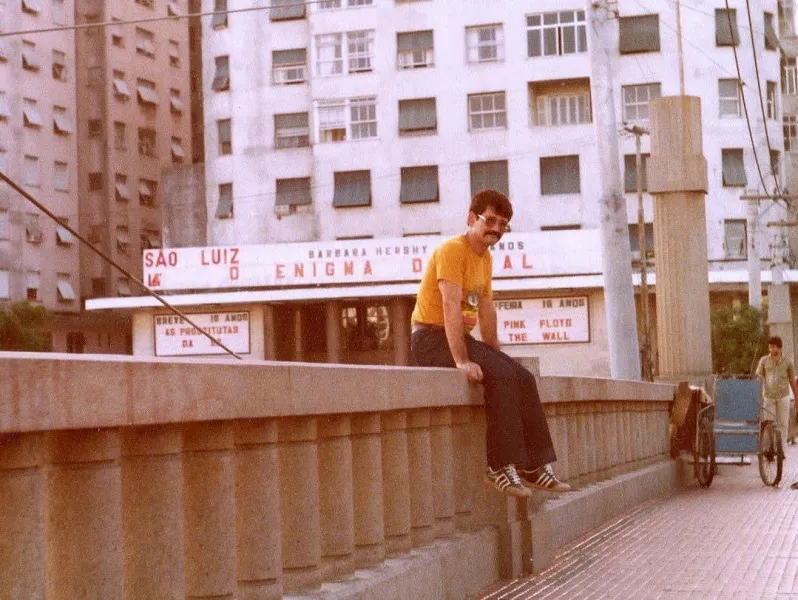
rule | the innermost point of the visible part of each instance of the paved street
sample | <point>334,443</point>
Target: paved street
<point>737,539</point>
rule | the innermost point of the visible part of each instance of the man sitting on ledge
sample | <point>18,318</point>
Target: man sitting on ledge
<point>455,292</point>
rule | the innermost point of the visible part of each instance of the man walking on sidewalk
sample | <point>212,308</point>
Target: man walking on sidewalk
<point>455,293</point>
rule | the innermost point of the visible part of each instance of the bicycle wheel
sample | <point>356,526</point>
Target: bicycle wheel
<point>704,454</point>
<point>771,455</point>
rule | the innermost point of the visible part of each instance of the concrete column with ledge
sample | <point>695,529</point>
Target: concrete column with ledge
<point>400,323</point>
<point>396,482</point>
<point>442,470</point>
<point>333,328</point>
<point>367,490</point>
<point>419,453</point>
<point>269,333</point>
<point>677,179</point>
<point>297,329</point>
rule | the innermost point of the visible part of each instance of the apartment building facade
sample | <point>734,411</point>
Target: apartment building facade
<point>371,123</point>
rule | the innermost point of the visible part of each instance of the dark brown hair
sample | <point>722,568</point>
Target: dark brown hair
<point>775,341</point>
<point>491,198</point>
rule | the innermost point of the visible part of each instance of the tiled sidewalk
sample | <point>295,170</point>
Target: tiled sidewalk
<point>737,539</point>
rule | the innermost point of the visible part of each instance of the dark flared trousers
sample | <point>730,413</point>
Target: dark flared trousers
<point>517,431</point>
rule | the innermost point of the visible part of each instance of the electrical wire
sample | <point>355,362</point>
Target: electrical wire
<point>110,261</point>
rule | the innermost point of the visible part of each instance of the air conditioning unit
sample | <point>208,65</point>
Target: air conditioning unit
<point>411,59</point>
<point>287,75</point>
<point>282,210</point>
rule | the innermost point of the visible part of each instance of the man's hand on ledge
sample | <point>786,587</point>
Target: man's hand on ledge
<point>472,370</point>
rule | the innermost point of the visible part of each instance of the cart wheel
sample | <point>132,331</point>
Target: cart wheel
<point>704,454</point>
<point>771,455</point>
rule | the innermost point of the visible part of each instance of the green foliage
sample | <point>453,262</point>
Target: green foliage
<point>739,339</point>
<point>20,327</point>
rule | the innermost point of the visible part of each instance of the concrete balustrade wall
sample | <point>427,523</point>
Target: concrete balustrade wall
<point>126,477</point>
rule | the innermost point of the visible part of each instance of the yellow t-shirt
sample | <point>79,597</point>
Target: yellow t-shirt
<point>454,261</point>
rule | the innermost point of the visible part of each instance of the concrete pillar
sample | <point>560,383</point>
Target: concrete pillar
<point>152,512</point>
<point>22,510</point>
<point>300,526</point>
<point>367,490</point>
<point>559,433</point>
<point>400,323</point>
<point>677,179</point>
<point>419,453</point>
<point>209,509</point>
<point>335,496</point>
<point>467,451</point>
<point>443,467</point>
<point>258,541</point>
<point>84,515</point>
<point>298,353</point>
<point>269,333</point>
<point>333,326</point>
<point>780,316</point>
<point>575,447</point>
<point>396,482</point>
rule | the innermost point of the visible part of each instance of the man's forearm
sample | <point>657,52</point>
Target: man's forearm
<point>453,324</point>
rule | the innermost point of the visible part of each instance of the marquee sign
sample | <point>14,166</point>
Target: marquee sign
<point>543,320</point>
<point>380,260</point>
<point>175,337</point>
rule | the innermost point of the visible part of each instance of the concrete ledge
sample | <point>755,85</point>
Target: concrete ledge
<point>557,522</point>
<point>449,568</point>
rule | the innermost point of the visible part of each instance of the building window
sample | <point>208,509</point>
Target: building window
<point>117,35</point>
<point>559,175</point>
<point>32,283</point>
<point>735,238</point>
<point>221,79</point>
<point>150,238</point>
<point>292,193</point>
<point>30,61</point>
<point>59,13</point>
<point>415,49</point>
<point>352,188</point>
<point>729,99</point>
<point>726,27</point>
<point>122,239</point>
<point>341,120</point>
<point>224,208</point>
<point>97,287</point>
<point>63,237</point>
<point>147,143</point>
<point>33,229</point>
<point>789,77</point>
<point>60,176</point>
<point>61,123</point>
<point>790,124</point>
<point>4,112</point>
<point>418,116</point>
<point>639,34</point>
<point>3,224</point>
<point>634,239</point>
<point>121,91</point>
<point>95,128</point>
<point>773,100</point>
<point>485,43</point>
<point>489,175</point>
<point>331,4</point>
<point>123,286</point>
<point>284,10</point>
<point>173,8</point>
<point>775,164</point>
<point>178,154</point>
<point>556,33</point>
<point>147,192</point>
<point>30,113</point>
<point>565,109</point>
<point>330,55</point>
<point>76,340</point>
<point>487,111</point>
<point>145,92</point>
<point>121,191</point>
<point>174,53</point>
<point>175,103</point>
<point>291,130</point>
<point>120,136</point>
<point>733,167</point>
<point>771,39</point>
<point>31,7</point>
<point>59,66</point>
<point>95,182</point>
<point>145,42</point>
<point>419,184</point>
<point>636,99</point>
<point>219,19</point>
<point>224,129</point>
<point>630,173</point>
<point>147,3</point>
<point>31,170</point>
<point>4,291</point>
<point>289,66</point>
<point>360,50</point>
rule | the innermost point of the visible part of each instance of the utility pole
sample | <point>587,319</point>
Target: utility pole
<point>754,274</point>
<point>645,346</point>
<point>615,250</point>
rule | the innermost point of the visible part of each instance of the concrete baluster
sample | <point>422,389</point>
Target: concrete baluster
<point>258,545</point>
<point>209,501</point>
<point>558,424</point>
<point>152,512</point>
<point>396,482</point>
<point>22,510</point>
<point>335,496</point>
<point>443,467</point>
<point>84,515</point>
<point>468,452</point>
<point>419,452</point>
<point>300,525</point>
<point>367,490</point>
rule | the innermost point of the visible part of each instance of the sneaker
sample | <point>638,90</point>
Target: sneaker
<point>543,479</point>
<point>506,480</point>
